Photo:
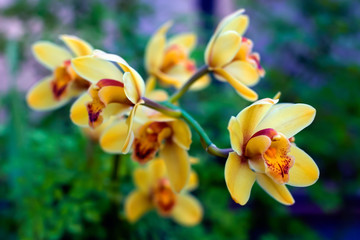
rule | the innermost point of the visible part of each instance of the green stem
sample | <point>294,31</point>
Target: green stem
<point>115,169</point>
<point>90,153</point>
<point>207,144</point>
<point>178,94</point>
<point>161,108</point>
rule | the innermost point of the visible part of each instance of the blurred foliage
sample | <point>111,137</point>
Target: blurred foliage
<point>57,184</point>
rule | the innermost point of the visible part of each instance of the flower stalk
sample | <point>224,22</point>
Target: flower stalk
<point>115,167</point>
<point>208,145</point>
<point>178,94</point>
<point>171,110</point>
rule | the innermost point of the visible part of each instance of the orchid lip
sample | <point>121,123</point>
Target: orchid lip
<point>275,156</point>
<point>163,197</point>
<point>58,91</point>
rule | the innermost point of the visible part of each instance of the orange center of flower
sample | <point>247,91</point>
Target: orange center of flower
<point>163,197</point>
<point>148,139</point>
<point>277,159</point>
<point>173,55</point>
<point>94,108</point>
<point>63,77</point>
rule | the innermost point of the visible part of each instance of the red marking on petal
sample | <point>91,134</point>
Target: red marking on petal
<point>109,82</point>
<point>60,82</point>
<point>94,111</point>
<point>190,66</point>
<point>267,132</point>
<point>148,140</point>
<point>256,59</point>
<point>67,63</point>
<point>57,90</point>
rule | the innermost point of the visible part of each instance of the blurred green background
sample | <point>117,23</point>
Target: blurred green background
<point>57,184</point>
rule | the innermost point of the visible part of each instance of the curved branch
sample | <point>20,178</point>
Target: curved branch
<point>178,94</point>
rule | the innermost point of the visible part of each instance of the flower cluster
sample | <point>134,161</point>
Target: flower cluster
<point>115,107</point>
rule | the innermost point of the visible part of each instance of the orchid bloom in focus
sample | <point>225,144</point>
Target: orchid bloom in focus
<point>169,61</point>
<point>56,90</point>
<point>116,89</point>
<point>171,138</point>
<point>262,137</point>
<point>230,56</point>
<point>154,133</point>
<point>154,192</point>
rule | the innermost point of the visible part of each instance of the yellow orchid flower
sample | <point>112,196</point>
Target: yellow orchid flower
<point>56,90</point>
<point>154,132</point>
<point>169,61</point>
<point>262,139</point>
<point>230,56</point>
<point>170,137</point>
<point>116,89</point>
<point>154,192</point>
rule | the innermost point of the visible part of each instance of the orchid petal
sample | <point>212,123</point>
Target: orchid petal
<point>244,72</point>
<point>239,23</point>
<point>109,57</point>
<point>181,134</point>
<point>157,170</point>
<point>130,133</point>
<point>40,97</point>
<point>154,52</point>
<point>113,94</point>
<point>250,117</point>
<point>193,182</point>
<point>50,54</point>
<point>278,191</point>
<point>94,69</point>
<point>257,145</point>
<point>230,20</point>
<point>305,172</point>
<point>113,138</point>
<point>167,79</point>
<point>221,25</point>
<point>150,85</point>
<point>255,148</point>
<point>224,49</point>
<point>240,88</point>
<point>187,211</point>
<point>136,205</point>
<point>289,120</point>
<point>141,179</point>
<point>134,87</point>
<point>177,164</point>
<point>78,112</point>
<point>186,40</point>
<point>236,135</point>
<point>239,178</point>
<point>78,46</point>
